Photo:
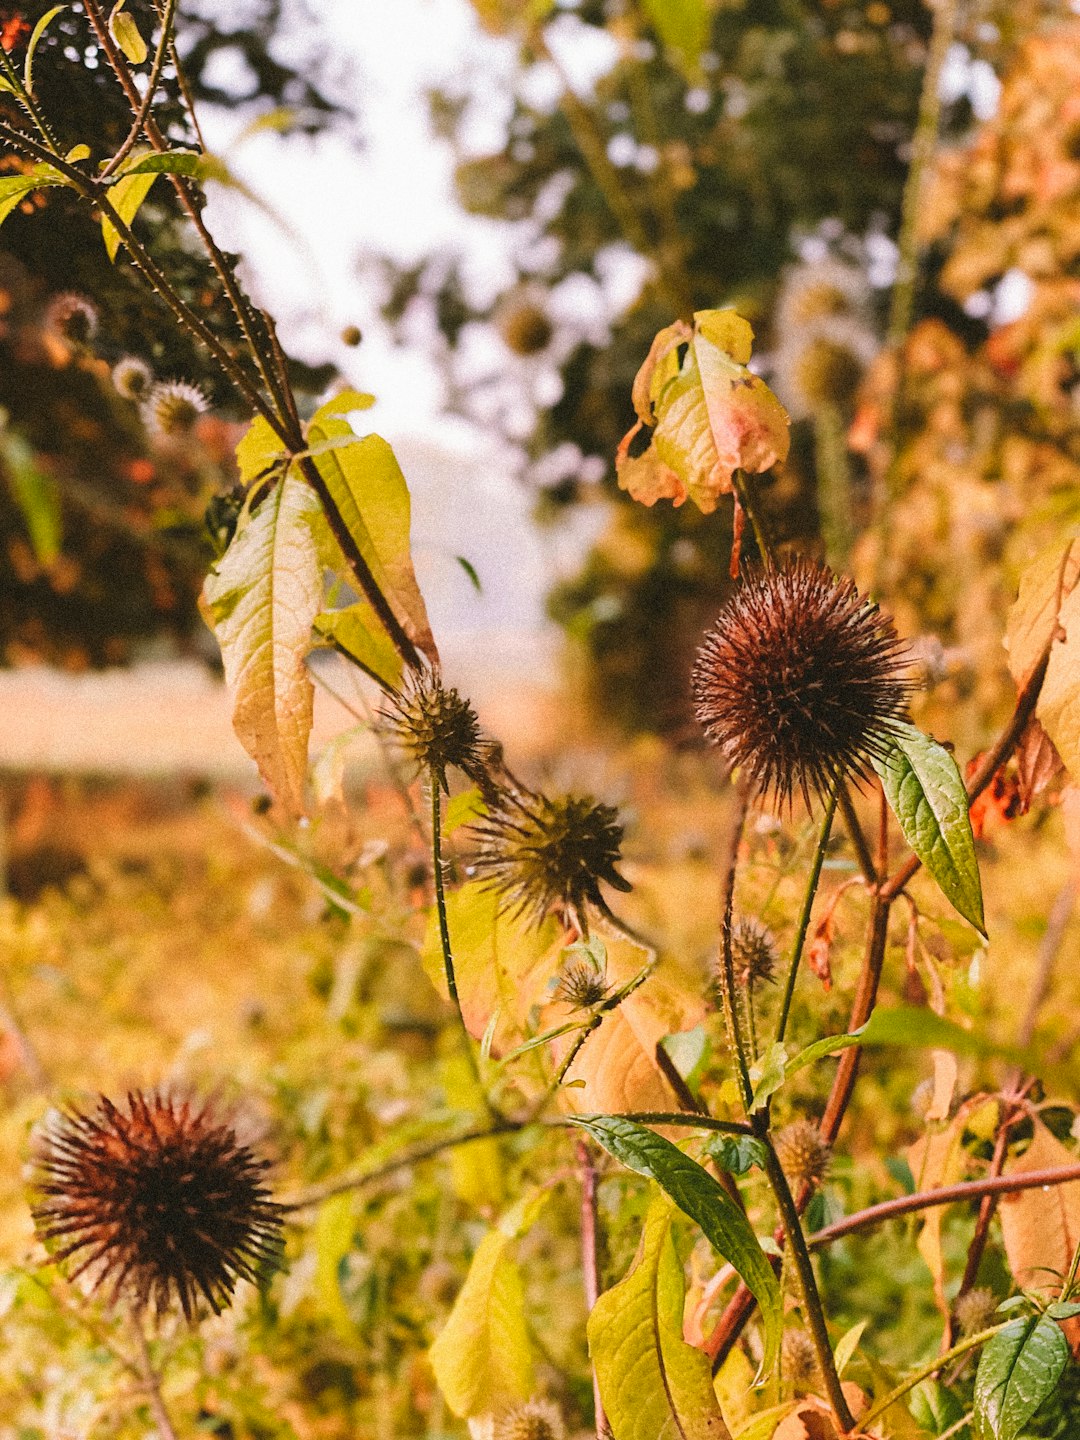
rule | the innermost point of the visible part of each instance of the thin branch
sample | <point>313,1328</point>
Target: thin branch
<point>590,1260</point>
<point>945,1195</point>
<point>152,1383</point>
<point>804,915</point>
<point>316,1194</point>
<point>859,842</point>
<point>141,115</point>
<point>924,1372</point>
<point>727,966</point>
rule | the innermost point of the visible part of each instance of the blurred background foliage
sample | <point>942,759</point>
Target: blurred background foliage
<point>102,534</point>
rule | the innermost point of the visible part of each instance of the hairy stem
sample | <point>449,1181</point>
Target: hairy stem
<point>804,1273</point>
<point>444,929</point>
<point>590,1260</point>
<point>160,56</point>
<point>833,485</point>
<point>152,1382</point>
<point>804,915</point>
<point>924,1372</point>
<point>728,993</point>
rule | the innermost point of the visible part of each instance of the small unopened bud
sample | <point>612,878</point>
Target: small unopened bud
<point>802,1153</point>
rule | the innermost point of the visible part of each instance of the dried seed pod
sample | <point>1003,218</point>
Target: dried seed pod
<point>437,728</point>
<point>72,317</point>
<point>534,1420</point>
<point>132,377</point>
<point>975,1310</point>
<point>800,680</point>
<point>802,1153</point>
<point>753,953</point>
<point>550,852</point>
<point>172,408</point>
<point>798,1361</point>
<point>157,1200</point>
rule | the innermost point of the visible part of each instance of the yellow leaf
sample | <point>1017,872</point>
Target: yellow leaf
<point>259,449</point>
<point>712,415</point>
<point>125,32</point>
<point>937,1159</point>
<point>357,632</point>
<point>654,1385</point>
<point>125,197</point>
<point>500,962</point>
<point>483,1356</point>
<point>370,494</point>
<point>260,603</point>
<point>1049,598</point>
<point>1041,1228</point>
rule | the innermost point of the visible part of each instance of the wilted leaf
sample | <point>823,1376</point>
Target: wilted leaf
<point>654,1385</point>
<point>1018,1369</point>
<point>483,1356</point>
<point>1038,763</point>
<point>1050,597</point>
<point>618,1063</point>
<point>1041,1228</point>
<point>706,1202</point>
<point>812,1419</point>
<point>260,602</point>
<point>500,962</point>
<point>712,416</point>
<point>927,796</point>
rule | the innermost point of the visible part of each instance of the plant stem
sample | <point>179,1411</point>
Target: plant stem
<point>143,111</point>
<point>833,485</point>
<point>804,1272</point>
<point>152,1381</point>
<point>444,929</point>
<point>316,1194</point>
<point>744,494</point>
<point>728,996</point>
<point>858,840</point>
<point>590,1260</point>
<point>924,1372</point>
<point>804,915</point>
<point>27,101</point>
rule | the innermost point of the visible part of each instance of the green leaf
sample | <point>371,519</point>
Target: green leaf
<point>470,571</point>
<point>371,497</point>
<point>848,1344</point>
<point>125,32</point>
<point>463,809</point>
<point>927,795</point>
<point>653,1384</point>
<point>125,196</point>
<point>334,1228</point>
<point>15,188</point>
<point>260,602</point>
<point>358,633</point>
<point>768,1074</point>
<point>168,162</point>
<point>35,40</point>
<point>483,1356</point>
<point>737,1154</point>
<point>682,25</point>
<point>701,1197</point>
<point>35,494</point>
<point>1018,1369</point>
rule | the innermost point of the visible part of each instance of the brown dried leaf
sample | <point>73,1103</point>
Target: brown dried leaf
<point>1041,1228</point>
<point>1038,762</point>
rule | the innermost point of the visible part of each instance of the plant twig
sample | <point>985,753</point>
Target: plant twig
<point>924,1372</point>
<point>590,1260</point>
<point>727,967</point>
<point>152,1383</point>
<point>160,55</point>
<point>805,913</point>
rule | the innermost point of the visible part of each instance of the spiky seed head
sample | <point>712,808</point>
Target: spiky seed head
<point>72,317</point>
<point>541,852</point>
<point>172,408</point>
<point>800,681</point>
<point>132,377</point>
<point>975,1310</point>
<point>753,953</point>
<point>581,986</point>
<point>437,728</point>
<point>826,372</point>
<point>802,1153</point>
<point>535,1420</point>
<point>798,1360</point>
<point>155,1200</point>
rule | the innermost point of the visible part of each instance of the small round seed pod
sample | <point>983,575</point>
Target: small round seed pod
<point>172,408</point>
<point>753,953</point>
<point>550,852</point>
<point>72,317</point>
<point>437,728</point>
<point>156,1200</point>
<point>132,377</point>
<point>798,1361</point>
<point>581,986</point>
<point>800,680</point>
<point>535,1420</point>
<point>975,1310</point>
<point>802,1153</point>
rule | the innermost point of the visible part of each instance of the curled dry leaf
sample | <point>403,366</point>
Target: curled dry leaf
<point>1048,607</point>
<point>710,414</point>
<point>1041,1228</point>
<point>1037,761</point>
<point>813,1419</point>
